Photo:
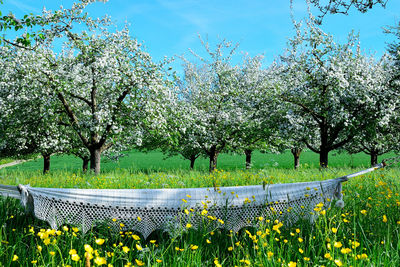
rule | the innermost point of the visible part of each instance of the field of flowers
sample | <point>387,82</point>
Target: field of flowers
<point>364,233</point>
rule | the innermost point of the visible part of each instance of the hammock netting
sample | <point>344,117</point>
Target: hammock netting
<point>148,210</point>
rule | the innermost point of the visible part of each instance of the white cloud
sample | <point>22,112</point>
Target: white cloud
<point>24,7</point>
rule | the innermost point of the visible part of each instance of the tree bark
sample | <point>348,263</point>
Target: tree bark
<point>95,157</point>
<point>192,160</point>
<point>213,158</point>
<point>248,152</point>
<point>46,163</point>
<point>374,157</point>
<point>296,151</point>
<point>85,164</point>
<point>323,158</point>
<point>323,152</point>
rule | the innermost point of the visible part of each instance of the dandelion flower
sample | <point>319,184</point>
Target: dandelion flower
<point>384,218</point>
<point>125,249</point>
<point>139,262</point>
<point>338,263</point>
<point>100,261</point>
<point>139,247</point>
<point>364,212</point>
<point>345,250</point>
<point>15,258</point>
<point>338,244</point>
<point>75,257</point>
<point>100,241</point>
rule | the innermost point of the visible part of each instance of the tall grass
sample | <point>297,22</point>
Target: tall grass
<point>364,233</point>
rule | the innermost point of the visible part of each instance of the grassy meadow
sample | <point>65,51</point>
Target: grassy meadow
<point>364,233</point>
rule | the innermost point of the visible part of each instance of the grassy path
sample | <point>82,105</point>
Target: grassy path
<point>12,163</point>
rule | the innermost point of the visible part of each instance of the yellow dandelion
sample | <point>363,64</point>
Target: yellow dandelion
<point>292,264</point>
<point>364,212</point>
<point>194,247</point>
<point>125,249</point>
<point>338,244</point>
<point>208,241</point>
<point>139,247</point>
<point>100,261</point>
<point>188,225</point>
<point>334,230</point>
<point>75,257</point>
<point>384,218</point>
<point>15,258</point>
<point>345,250</point>
<point>136,237</point>
<point>139,262</point>
<point>88,248</point>
<point>338,263</point>
<point>100,241</point>
<point>300,239</point>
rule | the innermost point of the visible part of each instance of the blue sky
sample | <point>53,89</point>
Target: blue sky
<point>170,27</point>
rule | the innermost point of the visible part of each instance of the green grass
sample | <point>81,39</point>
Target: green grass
<point>6,160</point>
<point>367,227</point>
<point>155,161</point>
<point>366,239</point>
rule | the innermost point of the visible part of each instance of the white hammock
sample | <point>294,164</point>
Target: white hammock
<point>147,210</point>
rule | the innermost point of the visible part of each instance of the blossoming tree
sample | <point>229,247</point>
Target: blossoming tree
<point>329,87</point>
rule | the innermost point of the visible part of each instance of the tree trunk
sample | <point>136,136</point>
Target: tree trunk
<point>192,160</point>
<point>248,152</point>
<point>213,158</point>
<point>95,157</point>
<point>85,164</point>
<point>374,157</point>
<point>323,151</point>
<point>46,163</point>
<point>323,158</point>
<point>296,151</point>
